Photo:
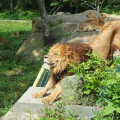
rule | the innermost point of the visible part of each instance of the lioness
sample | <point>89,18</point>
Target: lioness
<point>60,55</point>
<point>90,16</point>
<point>94,23</point>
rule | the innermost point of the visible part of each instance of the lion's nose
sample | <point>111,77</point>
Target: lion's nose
<point>45,57</point>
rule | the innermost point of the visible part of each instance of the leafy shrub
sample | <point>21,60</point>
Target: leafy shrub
<point>101,79</point>
<point>56,113</point>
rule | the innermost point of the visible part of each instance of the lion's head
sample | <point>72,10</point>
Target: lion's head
<point>91,15</point>
<point>104,17</point>
<point>59,56</point>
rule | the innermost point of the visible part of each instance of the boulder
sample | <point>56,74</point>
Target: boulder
<point>72,93</point>
<point>32,47</point>
<point>63,28</point>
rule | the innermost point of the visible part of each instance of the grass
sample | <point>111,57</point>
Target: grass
<point>19,14</point>
<point>15,78</point>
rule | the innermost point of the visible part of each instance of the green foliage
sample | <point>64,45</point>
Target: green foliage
<point>19,14</point>
<point>76,6</point>
<point>73,6</point>
<point>101,79</point>
<point>56,113</point>
<point>15,78</point>
<point>111,10</point>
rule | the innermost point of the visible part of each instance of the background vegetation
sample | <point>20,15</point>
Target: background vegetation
<point>16,77</point>
<point>102,81</point>
<point>27,9</point>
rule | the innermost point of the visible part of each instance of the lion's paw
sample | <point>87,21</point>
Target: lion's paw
<point>47,100</point>
<point>37,95</point>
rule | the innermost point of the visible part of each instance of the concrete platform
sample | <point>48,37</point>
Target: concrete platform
<point>28,108</point>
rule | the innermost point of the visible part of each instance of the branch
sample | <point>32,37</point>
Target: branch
<point>53,10</point>
<point>89,4</point>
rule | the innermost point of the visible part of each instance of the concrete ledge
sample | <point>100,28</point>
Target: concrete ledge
<point>28,108</point>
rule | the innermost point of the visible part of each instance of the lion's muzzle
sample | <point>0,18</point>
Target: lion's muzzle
<point>48,61</point>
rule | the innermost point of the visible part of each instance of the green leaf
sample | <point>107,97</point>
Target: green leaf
<point>108,109</point>
<point>118,74</point>
<point>115,97</point>
<point>87,92</point>
<point>118,110</point>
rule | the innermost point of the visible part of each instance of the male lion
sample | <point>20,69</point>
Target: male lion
<point>61,54</point>
<point>58,58</point>
<point>94,23</point>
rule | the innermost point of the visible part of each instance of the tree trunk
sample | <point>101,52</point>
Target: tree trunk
<point>11,6</point>
<point>44,20</point>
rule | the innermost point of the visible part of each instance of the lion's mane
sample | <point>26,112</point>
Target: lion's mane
<point>69,53</point>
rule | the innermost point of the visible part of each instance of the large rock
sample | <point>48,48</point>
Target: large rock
<point>72,93</point>
<point>62,28</point>
<point>32,47</point>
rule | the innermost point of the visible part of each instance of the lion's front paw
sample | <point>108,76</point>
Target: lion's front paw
<point>37,95</point>
<point>48,100</point>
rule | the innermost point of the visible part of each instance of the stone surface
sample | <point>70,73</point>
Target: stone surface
<point>70,89</point>
<point>72,93</point>
<point>28,108</point>
<point>32,48</point>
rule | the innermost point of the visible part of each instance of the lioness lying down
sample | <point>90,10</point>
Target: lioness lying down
<point>90,16</point>
<point>61,54</point>
<point>94,23</point>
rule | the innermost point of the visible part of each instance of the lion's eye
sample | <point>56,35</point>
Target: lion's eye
<point>56,54</point>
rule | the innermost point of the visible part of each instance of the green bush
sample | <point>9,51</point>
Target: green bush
<point>56,113</point>
<point>102,80</point>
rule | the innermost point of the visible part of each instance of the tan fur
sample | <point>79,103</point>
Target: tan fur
<point>104,17</point>
<point>58,58</point>
<point>90,16</point>
<point>108,37</point>
<point>94,23</point>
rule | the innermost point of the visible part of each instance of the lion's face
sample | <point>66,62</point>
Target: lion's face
<point>90,15</point>
<point>104,17</point>
<point>58,57</point>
